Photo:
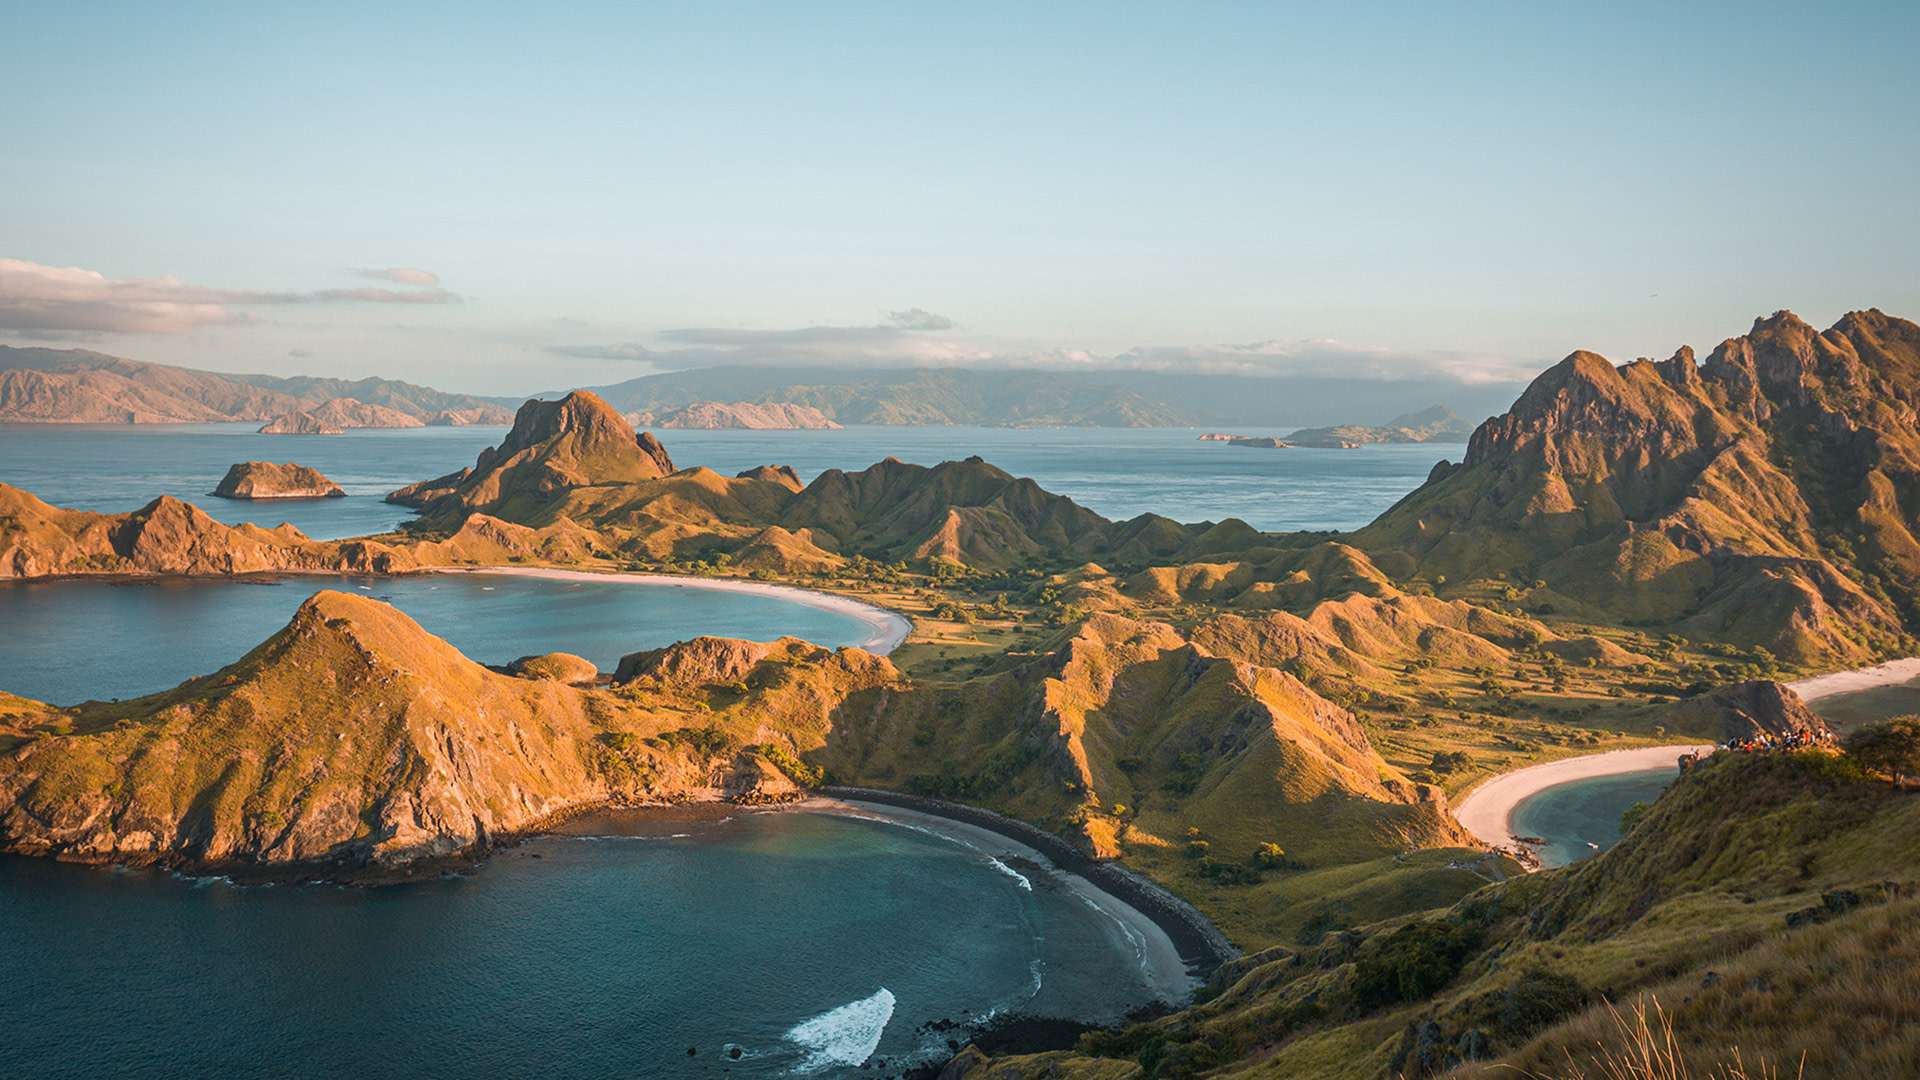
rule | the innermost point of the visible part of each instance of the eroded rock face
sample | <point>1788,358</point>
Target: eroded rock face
<point>1708,496</point>
<point>267,480</point>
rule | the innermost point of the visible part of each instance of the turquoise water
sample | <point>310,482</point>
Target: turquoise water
<point>806,941</point>
<point>1119,472</point>
<point>62,641</point>
<point>1571,816</point>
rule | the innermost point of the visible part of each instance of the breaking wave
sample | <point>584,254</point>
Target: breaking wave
<point>1011,872</point>
<point>846,1036</point>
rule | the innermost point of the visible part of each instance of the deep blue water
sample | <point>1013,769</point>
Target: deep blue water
<point>1119,472</point>
<point>786,935</point>
<point>62,641</point>
<point>1572,815</point>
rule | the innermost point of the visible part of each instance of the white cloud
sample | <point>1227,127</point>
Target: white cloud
<point>918,319</point>
<point>898,346</point>
<point>400,275</point>
<point>39,299</point>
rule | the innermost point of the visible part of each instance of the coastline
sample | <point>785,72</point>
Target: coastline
<point>1200,945</point>
<point>889,628</point>
<point>1892,673</point>
<point>1487,811</point>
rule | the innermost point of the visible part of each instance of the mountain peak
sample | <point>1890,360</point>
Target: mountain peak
<point>575,441</point>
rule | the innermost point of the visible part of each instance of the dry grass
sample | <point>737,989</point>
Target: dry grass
<point>1644,1047</point>
<point>1839,999</point>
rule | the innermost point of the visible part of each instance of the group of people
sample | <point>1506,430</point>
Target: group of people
<point>1799,739</point>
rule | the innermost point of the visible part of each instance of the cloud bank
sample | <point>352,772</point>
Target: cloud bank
<point>57,300</point>
<point>916,338</point>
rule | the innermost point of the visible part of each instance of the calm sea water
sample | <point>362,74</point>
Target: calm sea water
<point>1119,472</point>
<point>1571,816</point>
<point>62,641</point>
<point>808,942</point>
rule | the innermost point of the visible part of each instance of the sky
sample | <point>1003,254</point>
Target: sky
<point>504,200</point>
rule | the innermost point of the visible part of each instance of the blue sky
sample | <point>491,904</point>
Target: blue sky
<point>600,193</point>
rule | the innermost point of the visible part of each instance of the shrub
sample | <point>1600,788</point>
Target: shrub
<point>1412,963</point>
<point>1891,747</point>
<point>1537,999</point>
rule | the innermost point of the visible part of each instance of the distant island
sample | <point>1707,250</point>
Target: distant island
<point>1434,424</point>
<point>78,386</point>
<point>338,414</point>
<point>740,415</point>
<point>267,480</point>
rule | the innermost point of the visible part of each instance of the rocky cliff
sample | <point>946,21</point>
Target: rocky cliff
<point>1766,496</point>
<point>268,480</point>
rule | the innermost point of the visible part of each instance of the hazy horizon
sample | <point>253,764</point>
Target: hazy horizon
<point>504,204</point>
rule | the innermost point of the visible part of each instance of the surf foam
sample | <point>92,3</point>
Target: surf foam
<point>846,1036</point>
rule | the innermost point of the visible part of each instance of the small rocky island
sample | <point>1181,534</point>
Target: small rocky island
<point>1264,442</point>
<point>268,480</point>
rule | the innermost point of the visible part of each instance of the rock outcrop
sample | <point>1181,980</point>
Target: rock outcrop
<point>558,666</point>
<point>1745,710</point>
<point>268,480</point>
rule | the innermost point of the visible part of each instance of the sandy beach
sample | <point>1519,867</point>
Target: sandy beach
<point>1891,673</point>
<point>1487,811</point>
<point>1166,974</point>
<point>889,628</point>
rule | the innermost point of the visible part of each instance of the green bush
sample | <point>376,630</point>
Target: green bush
<point>1412,963</point>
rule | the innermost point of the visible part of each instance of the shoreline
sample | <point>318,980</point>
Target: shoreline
<point>1833,684</point>
<point>1200,945</point>
<point>889,629</point>
<point>1170,975</point>
<point>1487,811</point>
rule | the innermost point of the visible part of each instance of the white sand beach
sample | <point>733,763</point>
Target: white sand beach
<point>1487,811</point>
<point>1164,972</point>
<point>1891,673</point>
<point>889,628</point>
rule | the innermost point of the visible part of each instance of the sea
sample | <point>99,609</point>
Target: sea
<point>783,944</point>
<point>762,945</point>
<point>1118,472</point>
<point>1581,819</point>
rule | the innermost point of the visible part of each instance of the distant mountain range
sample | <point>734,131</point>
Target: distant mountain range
<point>77,386</point>
<point>987,398</point>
